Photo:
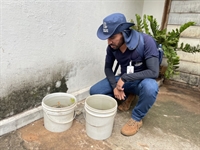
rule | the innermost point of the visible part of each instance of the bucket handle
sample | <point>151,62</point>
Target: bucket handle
<point>84,115</point>
<point>59,122</point>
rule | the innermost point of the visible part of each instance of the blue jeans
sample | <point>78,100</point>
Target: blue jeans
<point>146,89</point>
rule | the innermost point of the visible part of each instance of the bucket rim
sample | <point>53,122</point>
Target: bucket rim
<point>98,110</point>
<point>113,113</point>
<point>102,95</point>
<point>62,108</point>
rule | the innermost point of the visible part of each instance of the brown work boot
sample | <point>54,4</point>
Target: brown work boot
<point>127,103</point>
<point>131,127</point>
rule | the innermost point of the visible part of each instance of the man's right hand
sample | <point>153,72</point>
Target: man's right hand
<point>119,94</point>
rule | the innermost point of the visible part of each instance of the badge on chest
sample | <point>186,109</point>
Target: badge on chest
<point>130,68</point>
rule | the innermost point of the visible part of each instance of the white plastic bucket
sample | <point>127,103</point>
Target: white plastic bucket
<point>58,109</point>
<point>100,111</point>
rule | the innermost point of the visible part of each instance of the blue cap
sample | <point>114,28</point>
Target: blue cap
<point>113,24</point>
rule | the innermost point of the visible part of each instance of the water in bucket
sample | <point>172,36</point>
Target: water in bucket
<point>59,105</point>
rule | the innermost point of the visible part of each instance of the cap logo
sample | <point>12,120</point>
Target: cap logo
<point>105,27</point>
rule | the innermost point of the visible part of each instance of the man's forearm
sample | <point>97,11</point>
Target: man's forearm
<point>151,72</point>
<point>111,77</point>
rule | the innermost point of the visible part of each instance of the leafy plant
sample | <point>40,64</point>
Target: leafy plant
<point>169,41</point>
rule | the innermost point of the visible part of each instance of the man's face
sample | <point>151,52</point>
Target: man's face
<point>116,41</point>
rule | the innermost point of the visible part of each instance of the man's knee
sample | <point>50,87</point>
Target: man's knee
<point>92,91</point>
<point>150,86</point>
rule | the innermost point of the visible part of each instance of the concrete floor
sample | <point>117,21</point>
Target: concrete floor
<point>173,123</point>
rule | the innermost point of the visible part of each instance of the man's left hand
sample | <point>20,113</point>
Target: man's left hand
<point>120,84</point>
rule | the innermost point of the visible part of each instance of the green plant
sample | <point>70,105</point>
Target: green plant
<point>169,41</point>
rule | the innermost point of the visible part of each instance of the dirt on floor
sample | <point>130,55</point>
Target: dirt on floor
<point>172,123</point>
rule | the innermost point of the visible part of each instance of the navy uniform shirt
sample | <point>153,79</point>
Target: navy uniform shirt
<point>150,50</point>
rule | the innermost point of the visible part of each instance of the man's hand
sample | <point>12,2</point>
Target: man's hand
<point>120,84</point>
<point>119,91</point>
<point>120,95</point>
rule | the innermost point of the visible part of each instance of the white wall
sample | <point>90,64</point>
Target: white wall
<point>155,8</point>
<point>41,39</point>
